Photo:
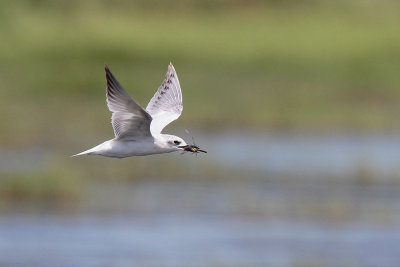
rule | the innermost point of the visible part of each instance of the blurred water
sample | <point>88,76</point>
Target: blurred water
<point>290,213</point>
<point>185,240</point>
<point>340,154</point>
<point>308,154</point>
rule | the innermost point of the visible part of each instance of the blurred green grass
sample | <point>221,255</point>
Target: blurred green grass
<point>287,65</point>
<point>313,65</point>
<point>54,187</point>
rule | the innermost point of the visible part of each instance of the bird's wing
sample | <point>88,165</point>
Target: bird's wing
<point>166,104</point>
<point>129,120</point>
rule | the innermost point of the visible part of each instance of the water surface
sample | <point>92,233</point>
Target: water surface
<point>299,200</point>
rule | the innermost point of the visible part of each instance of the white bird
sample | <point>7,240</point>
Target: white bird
<point>137,130</point>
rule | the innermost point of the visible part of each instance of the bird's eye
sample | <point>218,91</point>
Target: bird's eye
<point>177,142</point>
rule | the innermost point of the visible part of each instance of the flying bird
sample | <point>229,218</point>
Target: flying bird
<point>138,130</point>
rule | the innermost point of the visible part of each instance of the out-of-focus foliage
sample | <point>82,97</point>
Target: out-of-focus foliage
<point>301,65</point>
<point>277,65</point>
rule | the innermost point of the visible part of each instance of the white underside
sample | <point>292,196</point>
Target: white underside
<point>126,148</point>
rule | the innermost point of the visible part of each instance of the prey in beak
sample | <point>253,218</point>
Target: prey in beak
<point>192,148</point>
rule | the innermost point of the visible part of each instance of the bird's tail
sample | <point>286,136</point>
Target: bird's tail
<point>97,150</point>
<point>87,152</point>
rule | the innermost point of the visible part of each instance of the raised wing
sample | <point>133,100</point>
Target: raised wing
<point>129,120</point>
<point>166,104</point>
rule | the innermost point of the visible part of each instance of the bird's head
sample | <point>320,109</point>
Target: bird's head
<point>180,144</point>
<point>175,141</point>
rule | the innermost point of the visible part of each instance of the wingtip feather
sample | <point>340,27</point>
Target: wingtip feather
<point>108,71</point>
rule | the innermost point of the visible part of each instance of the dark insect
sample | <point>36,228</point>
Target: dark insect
<point>193,149</point>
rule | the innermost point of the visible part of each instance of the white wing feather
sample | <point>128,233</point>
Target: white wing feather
<point>129,120</point>
<point>166,104</point>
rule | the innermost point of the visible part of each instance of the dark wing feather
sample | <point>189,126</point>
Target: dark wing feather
<point>129,120</point>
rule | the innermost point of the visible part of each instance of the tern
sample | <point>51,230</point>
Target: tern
<point>137,130</point>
